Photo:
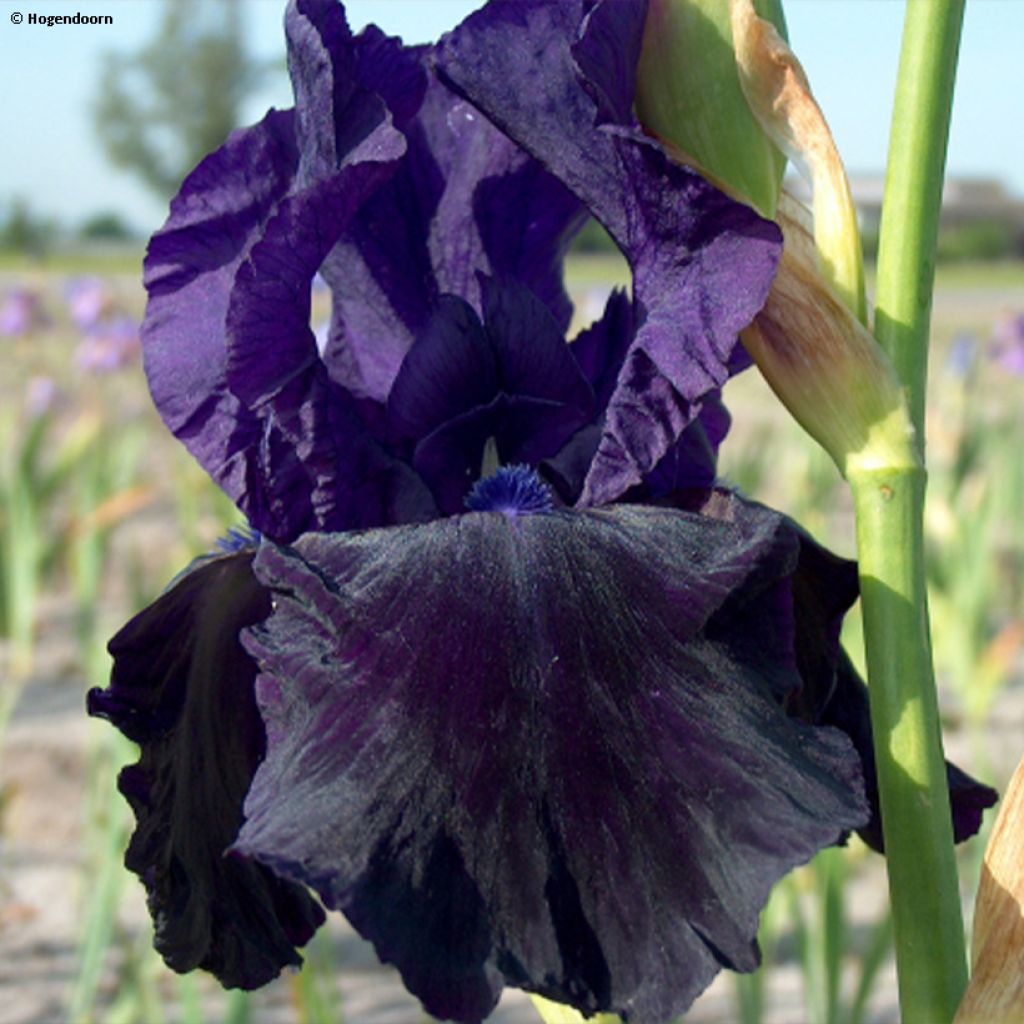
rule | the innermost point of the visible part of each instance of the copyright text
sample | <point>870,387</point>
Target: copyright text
<point>49,20</point>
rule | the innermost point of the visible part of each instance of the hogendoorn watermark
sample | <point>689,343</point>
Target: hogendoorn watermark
<point>49,20</point>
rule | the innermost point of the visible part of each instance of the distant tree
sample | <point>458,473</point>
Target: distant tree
<point>163,109</point>
<point>24,231</point>
<point>106,226</point>
<point>979,240</point>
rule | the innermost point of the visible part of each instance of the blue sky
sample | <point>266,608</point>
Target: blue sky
<point>850,49</point>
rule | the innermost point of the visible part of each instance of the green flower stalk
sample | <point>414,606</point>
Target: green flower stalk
<point>923,881</point>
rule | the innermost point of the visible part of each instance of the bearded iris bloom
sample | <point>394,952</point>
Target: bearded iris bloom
<point>22,313</point>
<point>1008,338</point>
<point>501,674</point>
<point>90,301</point>
<point>109,345</point>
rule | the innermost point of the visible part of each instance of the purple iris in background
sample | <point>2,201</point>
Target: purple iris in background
<point>108,345</point>
<point>89,300</point>
<point>22,313</point>
<point>1008,342</point>
<point>110,337</point>
<point>502,674</point>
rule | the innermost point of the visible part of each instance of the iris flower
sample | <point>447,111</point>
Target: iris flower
<point>110,344</point>
<point>22,313</point>
<point>502,674</point>
<point>90,301</point>
<point>1008,336</point>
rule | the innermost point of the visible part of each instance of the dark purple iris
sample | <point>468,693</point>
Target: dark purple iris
<point>502,675</point>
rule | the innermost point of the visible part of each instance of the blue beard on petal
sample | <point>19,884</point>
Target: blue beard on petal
<point>238,538</point>
<point>512,490</point>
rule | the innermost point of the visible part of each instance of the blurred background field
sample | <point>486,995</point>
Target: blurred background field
<point>100,508</point>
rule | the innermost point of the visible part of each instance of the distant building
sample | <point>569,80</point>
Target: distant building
<point>965,200</point>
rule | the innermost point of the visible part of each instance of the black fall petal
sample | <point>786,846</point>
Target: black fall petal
<point>543,750</point>
<point>182,688</point>
<point>848,709</point>
<point>831,692</point>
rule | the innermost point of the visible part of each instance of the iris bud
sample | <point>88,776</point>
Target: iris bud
<point>689,94</point>
<point>721,89</point>
<point>824,365</point>
<point>779,95</point>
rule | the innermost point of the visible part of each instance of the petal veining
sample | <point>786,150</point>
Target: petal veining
<point>539,750</point>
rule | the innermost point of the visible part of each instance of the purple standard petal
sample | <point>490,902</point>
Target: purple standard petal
<point>379,273</point>
<point>348,148</point>
<point>465,200</point>
<point>702,264</point>
<point>335,113</point>
<point>233,365</point>
<point>690,462</point>
<point>510,380</point>
<point>274,363</point>
<point>539,749</point>
<point>182,688</point>
<point>189,272</point>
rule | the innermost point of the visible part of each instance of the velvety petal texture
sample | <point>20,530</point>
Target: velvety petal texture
<point>832,693</point>
<point>543,750</point>
<point>182,688</point>
<point>558,78</point>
